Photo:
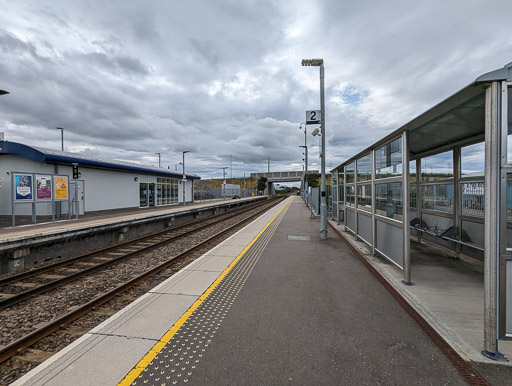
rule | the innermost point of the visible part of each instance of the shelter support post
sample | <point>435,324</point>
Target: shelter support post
<point>491,224</point>
<point>374,223</point>
<point>406,208</point>
<point>345,197</point>
<point>419,194</point>
<point>356,227</point>
<point>457,196</point>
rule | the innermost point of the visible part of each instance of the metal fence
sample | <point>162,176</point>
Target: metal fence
<point>222,194</point>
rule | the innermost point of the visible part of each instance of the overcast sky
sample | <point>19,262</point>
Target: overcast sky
<point>221,78</point>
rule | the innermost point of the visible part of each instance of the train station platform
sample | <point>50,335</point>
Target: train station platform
<point>26,245</point>
<point>273,304</point>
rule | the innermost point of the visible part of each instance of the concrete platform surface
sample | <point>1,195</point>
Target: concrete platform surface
<point>96,219</point>
<point>123,339</point>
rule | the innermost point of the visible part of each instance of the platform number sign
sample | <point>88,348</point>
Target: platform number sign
<point>313,117</point>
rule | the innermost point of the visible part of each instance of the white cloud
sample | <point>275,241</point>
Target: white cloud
<point>128,79</point>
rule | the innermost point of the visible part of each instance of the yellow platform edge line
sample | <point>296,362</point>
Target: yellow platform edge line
<point>155,350</point>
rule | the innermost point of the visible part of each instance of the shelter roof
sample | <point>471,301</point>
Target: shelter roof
<point>457,120</point>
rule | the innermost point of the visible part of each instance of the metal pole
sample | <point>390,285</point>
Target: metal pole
<point>184,180</point>
<point>406,209</point>
<point>323,204</point>
<point>76,198</point>
<point>224,183</point>
<point>491,227</point>
<point>244,186</point>
<point>159,164</point>
<point>231,157</point>
<point>61,137</point>
<point>374,208</point>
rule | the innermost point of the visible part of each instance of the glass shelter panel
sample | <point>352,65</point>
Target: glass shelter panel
<point>350,195</point>
<point>437,197</point>
<point>473,161</point>
<point>412,171</point>
<point>388,200</point>
<point>437,167</point>
<point>364,168</point>
<point>412,196</point>
<point>509,124</point>
<point>473,199</point>
<point>509,211</point>
<point>349,171</point>
<point>388,159</point>
<point>364,197</point>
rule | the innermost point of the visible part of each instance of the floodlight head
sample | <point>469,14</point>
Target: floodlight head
<point>315,132</point>
<point>312,62</point>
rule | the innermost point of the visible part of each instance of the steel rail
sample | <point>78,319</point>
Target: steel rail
<point>19,297</point>
<point>35,336</point>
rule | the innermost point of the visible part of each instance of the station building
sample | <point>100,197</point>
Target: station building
<point>445,176</point>
<point>33,181</point>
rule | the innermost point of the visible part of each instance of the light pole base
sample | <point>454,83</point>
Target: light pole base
<point>495,356</point>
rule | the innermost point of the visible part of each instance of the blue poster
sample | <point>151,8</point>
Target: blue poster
<point>23,183</point>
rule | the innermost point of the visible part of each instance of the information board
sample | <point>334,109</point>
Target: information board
<point>23,187</point>
<point>43,188</point>
<point>61,184</point>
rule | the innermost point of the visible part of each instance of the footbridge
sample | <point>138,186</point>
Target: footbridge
<point>281,177</point>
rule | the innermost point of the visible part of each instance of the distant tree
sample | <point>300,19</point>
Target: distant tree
<point>262,183</point>
<point>313,179</point>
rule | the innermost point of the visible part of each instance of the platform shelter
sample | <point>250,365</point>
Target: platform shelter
<point>453,166</point>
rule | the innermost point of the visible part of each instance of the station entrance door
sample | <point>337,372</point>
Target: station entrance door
<point>146,194</point>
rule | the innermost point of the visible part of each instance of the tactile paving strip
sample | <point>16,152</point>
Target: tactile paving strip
<point>176,362</point>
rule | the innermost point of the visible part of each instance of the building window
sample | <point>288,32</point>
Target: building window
<point>167,191</point>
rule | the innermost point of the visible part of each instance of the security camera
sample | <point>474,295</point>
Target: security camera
<point>314,133</point>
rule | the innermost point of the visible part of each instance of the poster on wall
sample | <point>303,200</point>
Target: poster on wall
<point>61,187</point>
<point>43,187</point>
<point>23,184</point>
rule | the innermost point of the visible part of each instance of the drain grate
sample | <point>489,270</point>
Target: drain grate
<point>299,238</point>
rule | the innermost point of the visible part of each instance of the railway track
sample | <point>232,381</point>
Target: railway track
<point>157,273</point>
<point>17,288</point>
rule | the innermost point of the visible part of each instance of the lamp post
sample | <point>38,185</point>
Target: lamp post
<point>184,177</point>
<point>323,198</point>
<point>305,187</point>
<point>159,164</point>
<point>224,183</point>
<point>305,161</point>
<point>244,185</point>
<point>61,137</point>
